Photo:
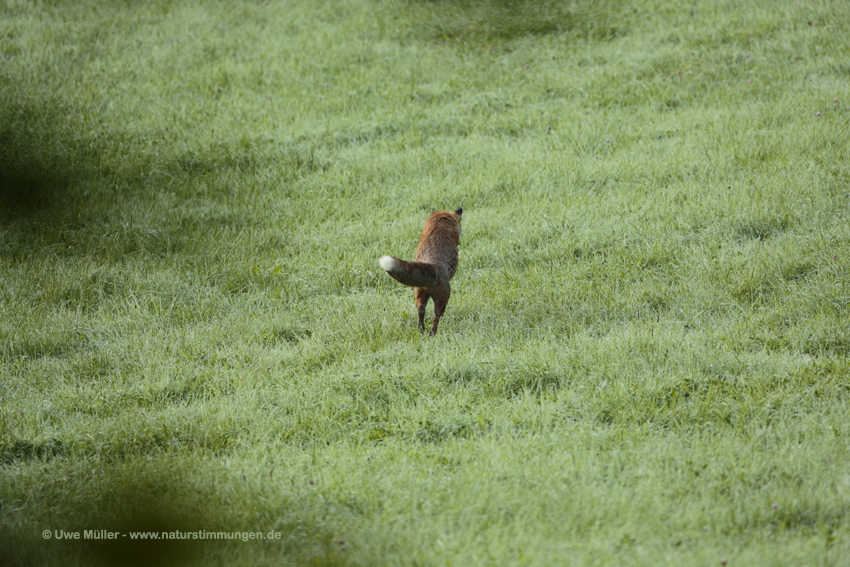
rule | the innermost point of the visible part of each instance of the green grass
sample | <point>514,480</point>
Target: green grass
<point>645,358</point>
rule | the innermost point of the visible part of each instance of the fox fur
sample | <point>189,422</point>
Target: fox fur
<point>434,265</point>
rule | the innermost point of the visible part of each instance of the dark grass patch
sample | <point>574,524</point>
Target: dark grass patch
<point>833,340</point>
<point>17,451</point>
<point>292,160</point>
<point>290,335</point>
<point>93,366</point>
<point>529,381</point>
<point>487,20</point>
<point>89,292</point>
<point>38,164</point>
<point>762,228</point>
<point>441,430</point>
<point>505,381</point>
<point>30,347</point>
<point>163,437</point>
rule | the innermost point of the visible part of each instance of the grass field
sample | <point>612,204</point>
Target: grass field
<point>645,357</point>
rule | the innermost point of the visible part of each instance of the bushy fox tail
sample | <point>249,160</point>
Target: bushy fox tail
<point>414,274</point>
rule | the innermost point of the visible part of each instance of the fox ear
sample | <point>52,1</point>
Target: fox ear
<point>459,211</point>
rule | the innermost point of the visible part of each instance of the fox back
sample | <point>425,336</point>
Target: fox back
<point>439,242</point>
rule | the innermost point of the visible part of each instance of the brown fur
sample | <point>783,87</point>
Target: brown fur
<point>433,267</point>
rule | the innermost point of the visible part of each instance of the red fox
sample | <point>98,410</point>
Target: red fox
<point>434,265</point>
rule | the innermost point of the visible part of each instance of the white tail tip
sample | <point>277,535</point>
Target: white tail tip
<point>387,263</point>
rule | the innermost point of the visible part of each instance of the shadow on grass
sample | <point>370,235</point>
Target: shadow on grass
<point>25,184</point>
<point>37,160</point>
<point>461,20</point>
<point>70,188</point>
<point>139,513</point>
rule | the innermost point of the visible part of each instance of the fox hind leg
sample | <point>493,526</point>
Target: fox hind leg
<point>421,296</point>
<point>440,303</point>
